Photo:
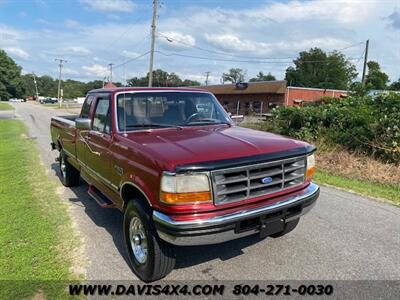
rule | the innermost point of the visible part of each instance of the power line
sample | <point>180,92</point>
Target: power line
<point>351,46</point>
<point>130,60</point>
<point>112,43</point>
<point>170,39</point>
<point>241,61</point>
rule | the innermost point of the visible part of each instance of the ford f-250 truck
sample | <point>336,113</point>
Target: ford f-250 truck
<point>181,172</point>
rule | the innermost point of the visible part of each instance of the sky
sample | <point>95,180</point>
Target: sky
<point>194,36</point>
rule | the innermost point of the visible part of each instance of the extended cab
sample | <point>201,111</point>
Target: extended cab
<point>174,163</point>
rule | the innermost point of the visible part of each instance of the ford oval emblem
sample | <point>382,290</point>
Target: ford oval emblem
<point>266,180</point>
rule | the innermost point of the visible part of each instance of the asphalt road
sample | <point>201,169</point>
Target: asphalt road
<point>345,236</point>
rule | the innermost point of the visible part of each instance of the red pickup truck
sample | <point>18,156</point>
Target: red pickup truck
<point>181,172</point>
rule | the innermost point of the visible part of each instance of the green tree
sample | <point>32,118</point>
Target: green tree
<point>29,85</point>
<point>375,77</point>
<point>315,68</point>
<point>47,86</point>
<point>92,85</point>
<point>234,75</point>
<point>188,82</point>
<point>11,84</point>
<point>162,78</point>
<point>262,77</point>
<point>395,86</point>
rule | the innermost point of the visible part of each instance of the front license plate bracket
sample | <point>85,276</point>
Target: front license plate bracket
<point>269,227</point>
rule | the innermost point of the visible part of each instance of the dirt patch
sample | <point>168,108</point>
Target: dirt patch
<point>353,165</point>
<point>39,295</point>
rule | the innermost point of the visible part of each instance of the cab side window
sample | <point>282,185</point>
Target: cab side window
<point>102,117</point>
<point>86,106</point>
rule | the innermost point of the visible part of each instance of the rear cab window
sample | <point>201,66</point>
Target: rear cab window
<point>86,106</point>
<point>102,115</point>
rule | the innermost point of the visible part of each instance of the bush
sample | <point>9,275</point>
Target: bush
<point>361,123</point>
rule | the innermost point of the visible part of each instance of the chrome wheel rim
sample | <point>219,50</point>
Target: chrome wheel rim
<point>62,166</point>
<point>138,240</point>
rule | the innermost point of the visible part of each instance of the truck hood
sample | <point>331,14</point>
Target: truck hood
<point>205,144</point>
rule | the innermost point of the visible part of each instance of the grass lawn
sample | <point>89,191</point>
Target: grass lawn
<point>375,190</point>
<point>5,106</point>
<point>36,234</point>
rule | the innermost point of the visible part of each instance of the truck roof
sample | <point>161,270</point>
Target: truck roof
<point>156,89</point>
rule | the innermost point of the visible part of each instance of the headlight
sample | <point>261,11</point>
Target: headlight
<point>310,166</point>
<point>185,189</point>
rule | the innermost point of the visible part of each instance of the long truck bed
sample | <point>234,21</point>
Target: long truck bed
<point>63,133</point>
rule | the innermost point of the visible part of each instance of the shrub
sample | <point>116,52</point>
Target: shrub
<point>362,123</point>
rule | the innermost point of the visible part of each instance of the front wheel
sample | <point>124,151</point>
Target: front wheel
<point>150,257</point>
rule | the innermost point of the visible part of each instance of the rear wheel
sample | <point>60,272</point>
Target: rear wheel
<point>69,175</point>
<point>151,258</point>
<point>289,226</point>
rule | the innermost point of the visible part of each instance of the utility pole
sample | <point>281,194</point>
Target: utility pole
<point>207,74</point>
<point>111,66</point>
<point>364,79</point>
<point>36,89</point>
<point>153,41</point>
<point>60,65</point>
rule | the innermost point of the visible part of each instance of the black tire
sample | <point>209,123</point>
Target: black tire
<point>160,259</point>
<point>68,174</point>
<point>289,226</point>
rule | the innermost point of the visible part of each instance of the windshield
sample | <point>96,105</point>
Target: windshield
<point>168,109</point>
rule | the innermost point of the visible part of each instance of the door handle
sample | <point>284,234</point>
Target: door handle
<point>86,139</point>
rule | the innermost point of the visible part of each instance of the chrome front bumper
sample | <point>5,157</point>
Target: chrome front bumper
<point>228,227</point>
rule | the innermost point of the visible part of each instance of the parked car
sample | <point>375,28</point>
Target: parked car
<point>48,100</point>
<point>16,100</point>
<point>182,176</point>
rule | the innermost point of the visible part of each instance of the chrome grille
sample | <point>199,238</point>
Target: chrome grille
<point>240,183</point>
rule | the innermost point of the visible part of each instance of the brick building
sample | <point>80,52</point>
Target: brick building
<point>300,95</point>
<point>260,97</point>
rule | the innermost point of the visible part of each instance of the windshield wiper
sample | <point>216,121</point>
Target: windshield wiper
<point>207,122</point>
<point>155,125</point>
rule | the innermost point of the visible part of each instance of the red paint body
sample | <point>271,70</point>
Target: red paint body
<point>145,154</point>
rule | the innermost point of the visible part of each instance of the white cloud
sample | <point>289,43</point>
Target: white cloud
<point>174,39</point>
<point>130,54</point>
<point>96,70</point>
<point>261,29</point>
<point>77,50</point>
<point>233,43</point>
<point>72,24</point>
<point>9,35</point>
<point>70,72</point>
<point>342,11</point>
<point>110,5</point>
<point>394,19</point>
<point>17,52</point>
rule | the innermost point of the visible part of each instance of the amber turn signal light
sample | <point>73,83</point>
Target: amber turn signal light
<point>310,172</point>
<point>185,198</point>
<point>310,166</point>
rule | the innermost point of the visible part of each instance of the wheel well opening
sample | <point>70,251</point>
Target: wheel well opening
<point>129,192</point>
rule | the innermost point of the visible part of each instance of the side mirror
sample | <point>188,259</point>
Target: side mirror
<point>83,124</point>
